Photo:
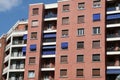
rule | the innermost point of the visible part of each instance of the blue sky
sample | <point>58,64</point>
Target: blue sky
<point>13,10</point>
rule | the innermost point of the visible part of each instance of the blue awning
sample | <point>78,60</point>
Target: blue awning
<point>25,37</point>
<point>96,17</point>
<point>49,47</point>
<point>49,35</point>
<point>33,46</point>
<point>113,16</point>
<point>24,49</point>
<point>113,71</point>
<point>64,45</point>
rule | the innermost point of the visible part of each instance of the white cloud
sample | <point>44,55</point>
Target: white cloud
<point>8,4</point>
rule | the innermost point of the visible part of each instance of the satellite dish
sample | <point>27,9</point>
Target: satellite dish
<point>118,77</point>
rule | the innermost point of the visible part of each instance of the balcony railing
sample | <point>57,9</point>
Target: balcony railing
<point>16,66</point>
<point>113,49</point>
<point>18,42</point>
<point>16,78</point>
<point>110,63</point>
<point>51,15</point>
<point>50,40</point>
<point>50,28</point>
<point>111,8</point>
<point>116,21</point>
<point>113,35</point>
<point>18,54</point>
<point>48,52</point>
<point>48,65</point>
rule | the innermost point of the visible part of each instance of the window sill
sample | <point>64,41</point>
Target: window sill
<point>33,51</point>
<point>66,11</point>
<point>31,77</point>
<point>66,24</point>
<point>80,35</point>
<point>80,48</point>
<point>96,76</point>
<point>96,20</point>
<point>35,14</point>
<point>96,47</point>
<point>96,7</point>
<point>64,36</point>
<point>80,62</point>
<point>31,63</point>
<point>96,34</point>
<point>34,26</point>
<point>81,9</point>
<point>63,62</point>
<point>63,77</point>
<point>80,22</point>
<point>80,77</point>
<point>64,49</point>
<point>95,61</point>
<point>33,39</point>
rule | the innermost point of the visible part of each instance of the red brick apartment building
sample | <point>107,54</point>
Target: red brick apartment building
<point>68,40</point>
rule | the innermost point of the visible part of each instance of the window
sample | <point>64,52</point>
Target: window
<point>35,11</point>
<point>79,72</point>
<point>96,30</point>
<point>32,60</point>
<point>66,8</point>
<point>96,57</point>
<point>64,33</point>
<point>80,58</point>
<point>81,6</point>
<point>96,17</point>
<point>65,20</point>
<point>96,3</point>
<point>64,59</point>
<point>96,44</point>
<point>95,72</point>
<point>64,45</point>
<point>31,74</point>
<point>33,35</point>
<point>34,23</point>
<point>63,73</point>
<point>81,32</point>
<point>33,47</point>
<point>80,45</point>
<point>81,19</point>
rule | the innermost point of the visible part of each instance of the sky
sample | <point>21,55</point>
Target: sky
<point>13,10</point>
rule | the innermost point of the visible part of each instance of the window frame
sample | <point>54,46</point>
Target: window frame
<point>81,19</point>
<point>64,59</point>
<point>94,59</point>
<point>80,32</point>
<point>35,23</point>
<point>80,73</point>
<point>96,30</point>
<point>65,33</point>
<point>80,58</point>
<point>80,45</point>
<point>65,20</point>
<point>34,60</point>
<point>67,6</point>
<point>33,35</point>
<point>81,6</point>
<point>94,72</point>
<point>95,44</point>
<point>65,72</point>
<point>35,11</point>
<point>32,72</point>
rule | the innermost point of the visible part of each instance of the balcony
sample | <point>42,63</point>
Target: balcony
<point>113,37</point>
<point>6,58</point>
<point>5,70</point>
<point>16,76</point>
<point>50,15</point>
<point>47,75</point>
